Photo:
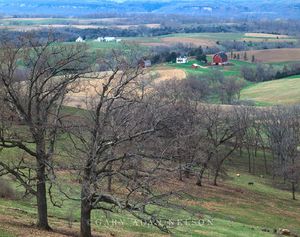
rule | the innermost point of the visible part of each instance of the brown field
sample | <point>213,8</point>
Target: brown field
<point>135,26</point>
<point>185,40</point>
<point>275,55</point>
<point>152,44</point>
<point>90,87</point>
<point>88,21</point>
<point>152,25</point>
<point>78,26</point>
<point>168,74</point>
<point>263,35</point>
<point>39,27</point>
<point>269,40</point>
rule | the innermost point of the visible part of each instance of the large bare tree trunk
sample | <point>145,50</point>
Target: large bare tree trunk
<point>294,190</point>
<point>109,178</point>
<point>216,176</point>
<point>85,217</point>
<point>180,172</point>
<point>200,175</point>
<point>42,197</point>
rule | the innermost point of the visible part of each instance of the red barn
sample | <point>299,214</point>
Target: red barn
<point>220,58</point>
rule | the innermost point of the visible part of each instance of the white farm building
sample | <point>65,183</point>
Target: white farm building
<point>80,39</point>
<point>181,60</point>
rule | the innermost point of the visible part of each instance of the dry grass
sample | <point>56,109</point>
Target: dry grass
<point>263,35</point>
<point>153,44</point>
<point>168,74</point>
<point>270,40</point>
<point>275,55</point>
<point>24,28</point>
<point>90,87</point>
<point>39,27</point>
<point>187,40</point>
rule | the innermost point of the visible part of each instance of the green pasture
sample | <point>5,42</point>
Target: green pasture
<point>284,91</point>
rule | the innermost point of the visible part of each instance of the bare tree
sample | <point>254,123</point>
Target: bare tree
<point>118,158</point>
<point>35,77</point>
<point>220,133</point>
<point>282,125</point>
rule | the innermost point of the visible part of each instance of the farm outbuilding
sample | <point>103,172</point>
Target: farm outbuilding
<point>182,60</point>
<point>145,63</point>
<point>80,39</point>
<point>220,58</point>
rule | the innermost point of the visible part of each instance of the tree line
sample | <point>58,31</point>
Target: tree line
<point>162,54</point>
<point>265,72</point>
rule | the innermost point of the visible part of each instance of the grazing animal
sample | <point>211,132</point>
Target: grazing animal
<point>250,183</point>
<point>238,175</point>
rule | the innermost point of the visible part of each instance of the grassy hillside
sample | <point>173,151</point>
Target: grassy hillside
<point>232,209</point>
<point>283,91</point>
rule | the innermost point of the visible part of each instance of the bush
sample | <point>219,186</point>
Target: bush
<point>6,191</point>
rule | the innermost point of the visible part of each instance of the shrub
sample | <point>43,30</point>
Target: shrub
<point>6,191</point>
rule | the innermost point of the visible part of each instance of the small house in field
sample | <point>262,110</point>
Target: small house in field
<point>182,60</point>
<point>80,39</point>
<point>220,58</point>
<point>145,63</point>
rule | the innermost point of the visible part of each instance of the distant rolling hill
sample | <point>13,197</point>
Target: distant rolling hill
<point>220,8</point>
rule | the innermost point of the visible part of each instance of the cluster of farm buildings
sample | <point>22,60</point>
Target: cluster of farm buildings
<point>100,39</point>
<point>220,58</point>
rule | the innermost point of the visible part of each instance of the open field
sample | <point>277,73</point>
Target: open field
<point>285,91</point>
<point>263,35</point>
<point>275,55</point>
<point>39,27</point>
<point>186,40</point>
<point>28,24</point>
<point>90,87</point>
<point>210,39</point>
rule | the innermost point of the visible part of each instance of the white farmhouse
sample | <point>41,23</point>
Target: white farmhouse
<point>80,39</point>
<point>109,39</point>
<point>181,60</point>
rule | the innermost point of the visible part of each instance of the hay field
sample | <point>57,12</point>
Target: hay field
<point>278,92</point>
<point>264,35</point>
<point>275,55</point>
<point>169,74</point>
<point>187,40</point>
<point>90,87</point>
